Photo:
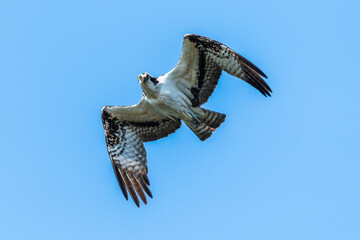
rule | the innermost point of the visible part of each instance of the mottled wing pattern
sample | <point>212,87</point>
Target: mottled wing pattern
<point>208,58</point>
<point>207,78</point>
<point>124,140</point>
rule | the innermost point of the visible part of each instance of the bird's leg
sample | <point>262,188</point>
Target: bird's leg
<point>195,118</point>
<point>195,121</point>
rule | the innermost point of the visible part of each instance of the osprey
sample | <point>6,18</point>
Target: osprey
<point>167,100</point>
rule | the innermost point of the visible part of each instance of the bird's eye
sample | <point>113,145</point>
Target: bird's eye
<point>139,77</point>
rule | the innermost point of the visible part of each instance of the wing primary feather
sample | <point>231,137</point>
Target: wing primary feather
<point>120,180</point>
<point>145,187</point>
<point>256,85</point>
<point>137,187</point>
<point>130,188</point>
<point>253,83</point>
<point>256,82</point>
<point>259,80</point>
<point>146,179</point>
<point>250,64</point>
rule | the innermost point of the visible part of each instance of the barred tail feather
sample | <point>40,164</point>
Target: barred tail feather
<point>207,124</point>
<point>212,119</point>
<point>200,129</point>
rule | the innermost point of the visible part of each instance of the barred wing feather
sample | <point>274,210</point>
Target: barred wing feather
<point>202,61</point>
<point>126,128</point>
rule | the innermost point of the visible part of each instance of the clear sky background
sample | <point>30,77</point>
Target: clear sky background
<point>285,167</point>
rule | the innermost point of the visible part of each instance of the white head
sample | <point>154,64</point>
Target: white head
<point>149,87</point>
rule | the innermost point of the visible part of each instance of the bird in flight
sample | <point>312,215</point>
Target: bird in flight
<point>167,100</point>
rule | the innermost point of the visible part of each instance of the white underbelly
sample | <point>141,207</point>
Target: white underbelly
<point>172,106</point>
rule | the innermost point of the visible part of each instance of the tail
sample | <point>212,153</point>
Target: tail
<point>206,124</point>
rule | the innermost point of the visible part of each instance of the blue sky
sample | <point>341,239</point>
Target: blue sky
<point>285,167</point>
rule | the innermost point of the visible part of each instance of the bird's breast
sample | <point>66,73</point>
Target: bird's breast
<point>171,103</point>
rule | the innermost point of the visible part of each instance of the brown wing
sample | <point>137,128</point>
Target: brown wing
<point>202,61</point>
<point>124,140</point>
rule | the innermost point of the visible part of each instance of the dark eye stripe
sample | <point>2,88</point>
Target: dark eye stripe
<point>154,80</point>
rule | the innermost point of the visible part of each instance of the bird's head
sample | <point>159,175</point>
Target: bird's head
<point>144,77</point>
<point>148,83</point>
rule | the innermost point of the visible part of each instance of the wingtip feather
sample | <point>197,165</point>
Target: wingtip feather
<point>120,180</point>
<point>138,188</point>
<point>146,179</point>
<point>131,190</point>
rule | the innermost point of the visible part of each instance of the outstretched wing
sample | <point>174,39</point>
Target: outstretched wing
<point>202,61</point>
<point>126,128</point>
